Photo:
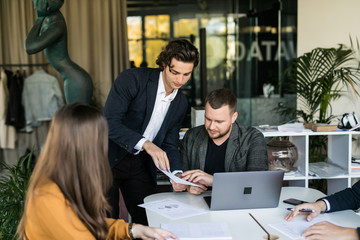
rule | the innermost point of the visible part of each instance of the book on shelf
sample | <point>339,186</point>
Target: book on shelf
<point>355,167</point>
<point>323,127</point>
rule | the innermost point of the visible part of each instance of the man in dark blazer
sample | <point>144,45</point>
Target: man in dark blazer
<point>145,109</point>
<point>221,144</point>
<point>343,200</point>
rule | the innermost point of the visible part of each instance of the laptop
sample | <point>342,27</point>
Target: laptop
<point>245,190</point>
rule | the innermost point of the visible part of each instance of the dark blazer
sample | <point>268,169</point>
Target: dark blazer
<point>345,200</point>
<point>128,109</point>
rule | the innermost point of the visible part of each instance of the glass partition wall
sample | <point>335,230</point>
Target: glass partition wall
<point>248,45</point>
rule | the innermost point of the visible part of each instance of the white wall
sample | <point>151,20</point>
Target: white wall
<point>326,23</point>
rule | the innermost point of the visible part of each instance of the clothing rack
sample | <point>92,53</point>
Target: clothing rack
<point>24,65</point>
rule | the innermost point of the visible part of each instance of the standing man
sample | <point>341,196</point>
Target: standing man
<point>221,145</point>
<point>145,109</point>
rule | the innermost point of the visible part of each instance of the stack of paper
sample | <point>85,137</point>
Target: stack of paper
<point>199,231</point>
<point>325,169</point>
<point>291,127</point>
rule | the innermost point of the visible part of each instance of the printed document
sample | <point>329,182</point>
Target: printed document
<point>199,231</point>
<point>172,208</point>
<point>177,179</point>
<point>295,228</point>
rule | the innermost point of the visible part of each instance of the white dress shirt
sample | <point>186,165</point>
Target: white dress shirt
<point>161,107</point>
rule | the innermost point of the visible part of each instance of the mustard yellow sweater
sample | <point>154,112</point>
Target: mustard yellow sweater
<point>49,216</point>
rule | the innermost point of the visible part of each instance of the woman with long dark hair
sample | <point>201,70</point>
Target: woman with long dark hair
<point>66,193</point>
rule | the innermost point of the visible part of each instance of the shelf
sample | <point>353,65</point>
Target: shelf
<point>336,170</point>
<point>307,132</point>
<point>334,177</point>
<point>286,178</point>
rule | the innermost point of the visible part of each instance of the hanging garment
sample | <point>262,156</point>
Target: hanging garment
<point>42,97</point>
<point>15,115</point>
<point>7,133</point>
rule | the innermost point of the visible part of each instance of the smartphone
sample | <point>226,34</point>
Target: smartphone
<point>294,201</point>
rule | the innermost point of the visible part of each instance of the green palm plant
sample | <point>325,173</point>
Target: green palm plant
<point>13,185</point>
<point>318,78</point>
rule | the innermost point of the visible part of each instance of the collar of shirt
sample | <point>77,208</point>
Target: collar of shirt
<point>161,92</point>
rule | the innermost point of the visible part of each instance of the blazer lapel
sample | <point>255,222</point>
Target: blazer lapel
<point>151,91</point>
<point>203,145</point>
<point>169,115</point>
<point>231,147</point>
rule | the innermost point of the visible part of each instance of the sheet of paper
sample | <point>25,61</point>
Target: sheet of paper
<point>295,228</point>
<point>172,209</point>
<point>199,231</point>
<point>177,179</point>
<point>291,127</point>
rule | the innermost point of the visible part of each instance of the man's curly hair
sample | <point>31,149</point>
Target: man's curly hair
<point>182,50</point>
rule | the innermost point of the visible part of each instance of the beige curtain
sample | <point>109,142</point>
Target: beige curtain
<point>97,41</point>
<point>16,18</point>
<point>97,38</point>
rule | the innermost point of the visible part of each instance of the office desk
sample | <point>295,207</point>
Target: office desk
<point>241,225</point>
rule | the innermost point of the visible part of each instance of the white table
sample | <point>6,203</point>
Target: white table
<point>242,226</point>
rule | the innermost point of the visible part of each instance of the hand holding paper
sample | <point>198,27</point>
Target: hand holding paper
<point>177,179</point>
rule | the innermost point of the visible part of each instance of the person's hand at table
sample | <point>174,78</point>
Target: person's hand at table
<point>198,177</point>
<point>158,155</point>
<point>145,232</point>
<point>327,231</point>
<point>318,207</point>
<point>323,230</point>
<point>178,187</point>
<point>196,190</point>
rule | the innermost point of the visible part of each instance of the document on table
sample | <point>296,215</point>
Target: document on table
<point>199,231</point>
<point>295,228</point>
<point>172,209</point>
<point>177,179</point>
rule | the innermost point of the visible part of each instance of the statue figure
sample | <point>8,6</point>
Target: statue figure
<point>49,33</point>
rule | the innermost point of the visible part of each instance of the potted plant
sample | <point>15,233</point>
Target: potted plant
<point>318,78</point>
<point>13,185</point>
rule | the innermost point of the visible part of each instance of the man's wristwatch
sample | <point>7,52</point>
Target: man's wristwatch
<point>131,233</point>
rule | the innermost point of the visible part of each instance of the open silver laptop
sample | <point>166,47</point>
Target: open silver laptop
<point>246,190</point>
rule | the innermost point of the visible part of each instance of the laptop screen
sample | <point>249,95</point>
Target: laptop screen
<point>246,190</point>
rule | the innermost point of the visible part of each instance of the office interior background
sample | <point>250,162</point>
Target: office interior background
<point>249,43</point>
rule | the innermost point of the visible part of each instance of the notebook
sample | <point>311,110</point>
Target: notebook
<point>245,190</point>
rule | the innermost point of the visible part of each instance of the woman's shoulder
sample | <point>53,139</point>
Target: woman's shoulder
<point>48,189</point>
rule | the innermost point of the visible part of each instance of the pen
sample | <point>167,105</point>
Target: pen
<point>302,210</point>
<point>267,233</point>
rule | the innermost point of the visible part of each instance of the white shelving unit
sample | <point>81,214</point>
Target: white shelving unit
<point>339,153</point>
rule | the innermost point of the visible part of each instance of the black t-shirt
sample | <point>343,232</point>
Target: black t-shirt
<point>215,157</point>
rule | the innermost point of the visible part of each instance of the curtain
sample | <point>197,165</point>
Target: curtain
<point>97,38</point>
<point>97,41</point>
